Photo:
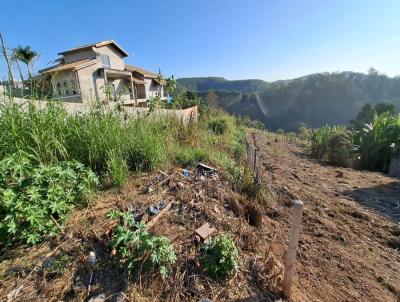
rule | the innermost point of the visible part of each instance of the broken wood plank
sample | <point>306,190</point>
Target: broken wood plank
<point>205,231</point>
<point>152,222</point>
<point>173,237</point>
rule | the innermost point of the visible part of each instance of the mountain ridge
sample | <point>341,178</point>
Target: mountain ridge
<point>312,100</point>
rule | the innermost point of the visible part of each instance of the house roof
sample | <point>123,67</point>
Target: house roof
<point>62,67</point>
<point>96,45</point>
<point>146,73</point>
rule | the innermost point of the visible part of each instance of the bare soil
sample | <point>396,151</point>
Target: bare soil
<point>349,245</point>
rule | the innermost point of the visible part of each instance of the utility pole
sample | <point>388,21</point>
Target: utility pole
<point>10,74</point>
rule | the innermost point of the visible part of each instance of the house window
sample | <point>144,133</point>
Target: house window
<point>65,83</point>
<point>105,61</point>
<point>59,88</point>
<point>66,92</point>
<point>74,92</point>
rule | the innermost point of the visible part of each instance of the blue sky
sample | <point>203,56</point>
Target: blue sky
<point>234,39</point>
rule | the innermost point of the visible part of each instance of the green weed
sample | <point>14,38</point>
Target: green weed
<point>138,250</point>
<point>36,199</point>
<point>220,257</point>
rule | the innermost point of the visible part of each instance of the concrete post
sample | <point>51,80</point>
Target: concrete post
<point>294,235</point>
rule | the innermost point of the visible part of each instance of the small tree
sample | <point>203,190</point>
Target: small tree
<point>365,116</point>
<point>171,85</point>
<point>160,80</point>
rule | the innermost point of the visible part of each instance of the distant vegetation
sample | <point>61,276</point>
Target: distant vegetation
<point>369,143</point>
<point>312,101</point>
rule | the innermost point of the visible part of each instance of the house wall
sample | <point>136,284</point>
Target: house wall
<point>116,59</point>
<point>152,89</point>
<point>65,86</point>
<point>79,55</point>
<point>91,83</point>
<point>121,89</point>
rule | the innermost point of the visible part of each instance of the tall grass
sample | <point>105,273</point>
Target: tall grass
<point>110,144</point>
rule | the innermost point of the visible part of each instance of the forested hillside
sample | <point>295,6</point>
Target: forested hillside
<point>314,100</point>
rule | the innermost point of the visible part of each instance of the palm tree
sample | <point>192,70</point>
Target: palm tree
<point>25,55</point>
<point>16,60</point>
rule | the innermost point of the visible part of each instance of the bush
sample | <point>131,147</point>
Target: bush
<point>36,199</point>
<point>339,148</point>
<point>379,141</point>
<point>320,140</point>
<point>218,126</point>
<point>220,256</point>
<point>138,250</point>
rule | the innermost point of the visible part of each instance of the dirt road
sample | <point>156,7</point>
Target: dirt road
<point>349,246</point>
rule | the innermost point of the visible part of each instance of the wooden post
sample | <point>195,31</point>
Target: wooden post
<point>294,235</point>
<point>257,165</point>
<point>255,160</point>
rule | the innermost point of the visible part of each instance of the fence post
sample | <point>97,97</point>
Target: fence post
<point>255,160</point>
<point>294,235</point>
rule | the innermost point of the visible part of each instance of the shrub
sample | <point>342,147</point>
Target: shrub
<point>220,256</point>
<point>36,199</point>
<point>218,126</point>
<point>138,250</point>
<point>339,148</point>
<point>320,140</point>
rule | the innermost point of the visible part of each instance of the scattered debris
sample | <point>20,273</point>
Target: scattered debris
<point>155,209</point>
<point>204,170</point>
<point>149,189</point>
<point>152,222</point>
<point>91,259</point>
<point>185,173</point>
<point>205,231</point>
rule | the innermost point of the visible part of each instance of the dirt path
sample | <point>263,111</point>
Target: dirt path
<point>347,249</point>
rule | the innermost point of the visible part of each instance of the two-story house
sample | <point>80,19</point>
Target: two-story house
<point>98,71</point>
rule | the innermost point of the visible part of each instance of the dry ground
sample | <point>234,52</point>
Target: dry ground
<point>347,249</point>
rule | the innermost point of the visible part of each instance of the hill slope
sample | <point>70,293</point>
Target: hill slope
<point>314,100</point>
